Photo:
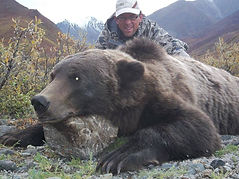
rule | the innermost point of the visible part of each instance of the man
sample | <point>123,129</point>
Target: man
<point>128,22</point>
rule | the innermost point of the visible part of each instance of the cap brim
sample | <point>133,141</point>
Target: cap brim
<point>127,10</point>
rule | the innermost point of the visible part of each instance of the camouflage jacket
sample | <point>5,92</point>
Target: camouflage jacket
<point>111,37</point>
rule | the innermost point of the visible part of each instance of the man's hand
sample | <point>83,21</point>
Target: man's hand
<point>182,53</point>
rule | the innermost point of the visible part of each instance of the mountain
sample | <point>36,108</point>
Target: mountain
<point>227,7</point>
<point>200,23</point>
<point>11,9</point>
<point>227,28</point>
<point>181,19</point>
<point>91,29</point>
<point>186,18</point>
<point>70,28</point>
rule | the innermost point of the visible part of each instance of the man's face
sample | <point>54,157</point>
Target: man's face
<point>128,23</point>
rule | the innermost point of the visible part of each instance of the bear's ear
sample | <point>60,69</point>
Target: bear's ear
<point>129,71</point>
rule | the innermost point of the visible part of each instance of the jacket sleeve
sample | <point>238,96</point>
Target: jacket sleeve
<point>105,41</point>
<point>102,40</point>
<point>172,45</point>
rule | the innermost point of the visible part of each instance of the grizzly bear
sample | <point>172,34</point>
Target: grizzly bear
<point>170,108</point>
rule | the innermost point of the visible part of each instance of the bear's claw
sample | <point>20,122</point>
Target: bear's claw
<point>8,140</point>
<point>126,158</point>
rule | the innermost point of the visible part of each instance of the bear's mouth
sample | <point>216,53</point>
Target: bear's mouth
<point>50,120</point>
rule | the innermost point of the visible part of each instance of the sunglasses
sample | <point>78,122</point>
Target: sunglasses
<point>131,18</point>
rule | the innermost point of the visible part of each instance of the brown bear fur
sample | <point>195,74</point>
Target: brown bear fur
<point>170,108</point>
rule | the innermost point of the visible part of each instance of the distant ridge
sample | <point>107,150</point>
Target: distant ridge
<point>91,28</point>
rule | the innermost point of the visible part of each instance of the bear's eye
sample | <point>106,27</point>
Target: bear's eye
<point>74,77</point>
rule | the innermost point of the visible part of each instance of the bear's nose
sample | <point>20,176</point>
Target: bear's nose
<point>40,104</point>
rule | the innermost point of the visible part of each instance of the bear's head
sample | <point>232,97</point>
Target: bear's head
<point>93,82</point>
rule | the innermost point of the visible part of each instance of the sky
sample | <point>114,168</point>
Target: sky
<point>76,11</point>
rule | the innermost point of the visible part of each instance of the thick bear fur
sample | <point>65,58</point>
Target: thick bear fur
<point>170,108</point>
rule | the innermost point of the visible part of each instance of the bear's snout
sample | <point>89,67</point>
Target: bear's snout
<point>40,104</point>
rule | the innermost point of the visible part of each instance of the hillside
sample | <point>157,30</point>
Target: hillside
<point>11,9</point>
<point>227,28</point>
<point>185,19</point>
<point>181,19</point>
<point>200,23</point>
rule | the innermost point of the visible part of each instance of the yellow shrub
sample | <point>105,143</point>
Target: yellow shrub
<point>225,57</point>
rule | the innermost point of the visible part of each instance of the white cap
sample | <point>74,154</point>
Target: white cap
<point>127,6</point>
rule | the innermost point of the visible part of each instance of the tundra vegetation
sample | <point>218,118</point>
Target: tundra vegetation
<point>25,65</point>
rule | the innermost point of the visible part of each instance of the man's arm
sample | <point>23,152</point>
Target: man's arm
<point>172,45</point>
<point>101,42</point>
<point>106,42</point>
